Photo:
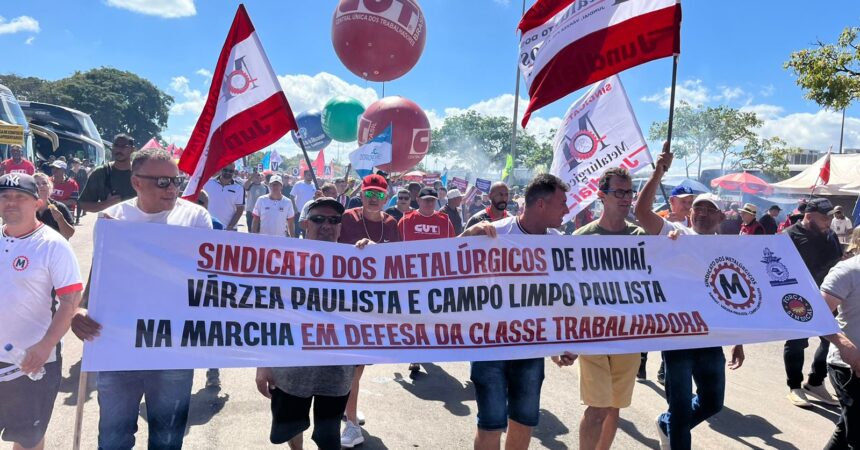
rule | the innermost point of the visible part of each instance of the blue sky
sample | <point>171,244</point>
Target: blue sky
<point>731,53</point>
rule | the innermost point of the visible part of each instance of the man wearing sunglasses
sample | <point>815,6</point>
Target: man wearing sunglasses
<point>226,197</point>
<point>110,184</point>
<point>705,366</point>
<point>401,205</point>
<point>156,179</point>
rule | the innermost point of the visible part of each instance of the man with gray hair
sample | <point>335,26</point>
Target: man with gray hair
<point>156,180</point>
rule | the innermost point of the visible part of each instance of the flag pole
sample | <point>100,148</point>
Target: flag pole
<point>308,162</point>
<point>516,109</point>
<point>79,409</point>
<point>671,122</point>
<point>842,131</point>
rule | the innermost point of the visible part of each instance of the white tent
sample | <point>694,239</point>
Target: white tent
<point>844,178</point>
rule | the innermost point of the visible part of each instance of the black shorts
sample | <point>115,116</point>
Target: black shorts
<point>27,406</point>
<point>290,417</point>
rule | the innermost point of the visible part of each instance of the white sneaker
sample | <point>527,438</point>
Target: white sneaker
<point>797,397</point>
<point>351,436</point>
<point>819,393</point>
<point>358,415</point>
<point>664,440</point>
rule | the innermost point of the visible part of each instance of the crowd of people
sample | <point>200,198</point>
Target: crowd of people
<point>47,295</point>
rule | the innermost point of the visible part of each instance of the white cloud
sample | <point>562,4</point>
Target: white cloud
<point>693,92</point>
<point>503,106</point>
<point>192,100</point>
<point>169,9</point>
<point>203,73</point>
<point>19,24</point>
<point>767,91</point>
<point>30,40</point>
<point>502,2</point>
<point>729,93</point>
<point>763,111</point>
<point>817,130</point>
<point>306,92</point>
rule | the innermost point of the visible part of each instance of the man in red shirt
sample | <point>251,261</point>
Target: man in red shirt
<point>17,163</point>
<point>65,189</point>
<point>425,222</point>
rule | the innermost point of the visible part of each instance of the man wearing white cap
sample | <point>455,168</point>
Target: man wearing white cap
<point>705,366</point>
<point>452,209</point>
<point>273,213</point>
<point>65,188</point>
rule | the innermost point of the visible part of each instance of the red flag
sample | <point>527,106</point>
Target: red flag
<point>246,109</point>
<point>568,44</point>
<point>824,175</point>
<point>318,164</point>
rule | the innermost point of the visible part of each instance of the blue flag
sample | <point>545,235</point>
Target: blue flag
<point>375,152</point>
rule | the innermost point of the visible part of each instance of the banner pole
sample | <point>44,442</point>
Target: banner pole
<point>308,162</point>
<point>79,409</point>
<point>513,152</point>
<point>671,123</point>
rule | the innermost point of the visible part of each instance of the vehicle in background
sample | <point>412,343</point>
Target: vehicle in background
<point>11,114</point>
<point>77,134</point>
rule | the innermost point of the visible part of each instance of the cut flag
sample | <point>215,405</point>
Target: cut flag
<point>568,44</point>
<point>246,109</point>
<point>375,152</point>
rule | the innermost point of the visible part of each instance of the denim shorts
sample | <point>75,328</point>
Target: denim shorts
<point>507,389</point>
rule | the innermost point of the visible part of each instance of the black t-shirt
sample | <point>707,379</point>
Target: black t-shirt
<point>105,181</point>
<point>819,251</point>
<point>394,212</point>
<point>454,217</point>
<point>45,216</point>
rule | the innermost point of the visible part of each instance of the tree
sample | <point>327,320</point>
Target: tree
<point>118,101</point>
<point>703,130</point>
<point>830,73</point>
<point>770,155</point>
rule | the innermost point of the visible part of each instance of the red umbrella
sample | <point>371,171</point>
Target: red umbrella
<point>744,182</point>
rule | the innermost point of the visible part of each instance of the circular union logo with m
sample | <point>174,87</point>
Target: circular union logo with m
<point>20,263</point>
<point>732,286</point>
<point>797,307</point>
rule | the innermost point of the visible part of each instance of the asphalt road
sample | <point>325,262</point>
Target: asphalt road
<point>437,410</point>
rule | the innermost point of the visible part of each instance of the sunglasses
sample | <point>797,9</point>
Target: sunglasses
<point>332,220</point>
<point>227,171</point>
<point>374,194</point>
<point>164,182</point>
<point>403,198</point>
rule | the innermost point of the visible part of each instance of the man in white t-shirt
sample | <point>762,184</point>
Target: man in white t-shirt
<point>34,260</point>
<point>226,197</point>
<point>508,392</point>
<point>705,366</point>
<point>841,225</point>
<point>302,193</point>
<point>273,213</point>
<point>156,179</point>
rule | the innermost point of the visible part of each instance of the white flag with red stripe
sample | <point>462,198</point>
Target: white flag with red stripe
<point>568,44</point>
<point>246,109</point>
<point>599,131</point>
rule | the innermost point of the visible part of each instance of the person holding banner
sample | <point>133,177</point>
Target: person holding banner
<point>508,392</point>
<point>156,179</point>
<point>705,366</point>
<point>43,263</point>
<point>606,381</point>
<point>498,208</point>
<point>293,389</point>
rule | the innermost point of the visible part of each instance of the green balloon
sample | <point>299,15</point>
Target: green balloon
<point>340,118</point>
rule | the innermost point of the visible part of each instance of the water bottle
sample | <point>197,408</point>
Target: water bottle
<point>18,356</point>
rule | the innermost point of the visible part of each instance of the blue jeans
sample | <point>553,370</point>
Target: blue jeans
<point>507,389</point>
<point>705,366</point>
<point>167,393</point>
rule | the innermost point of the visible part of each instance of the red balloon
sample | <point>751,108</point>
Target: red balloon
<point>410,131</point>
<point>378,40</point>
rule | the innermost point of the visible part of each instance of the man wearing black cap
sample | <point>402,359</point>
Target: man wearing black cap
<point>768,221</point>
<point>820,250</point>
<point>36,260</point>
<point>293,389</point>
<point>110,184</point>
<point>425,222</point>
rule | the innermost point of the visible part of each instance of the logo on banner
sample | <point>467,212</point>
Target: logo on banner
<point>583,144</point>
<point>776,270</point>
<point>20,263</point>
<point>732,286</point>
<point>239,80</point>
<point>797,307</point>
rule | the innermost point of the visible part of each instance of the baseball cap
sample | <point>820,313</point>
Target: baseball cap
<point>454,193</point>
<point>19,182</point>
<point>682,191</point>
<point>819,205</point>
<point>76,161</point>
<point>837,208</point>
<point>59,164</point>
<point>428,192</point>
<point>326,201</point>
<point>276,179</point>
<point>374,183</point>
<point>774,207</point>
<point>710,198</point>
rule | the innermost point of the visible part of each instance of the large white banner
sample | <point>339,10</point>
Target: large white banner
<point>171,297</point>
<point>599,131</point>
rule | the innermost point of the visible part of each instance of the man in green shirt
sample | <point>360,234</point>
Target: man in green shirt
<point>110,183</point>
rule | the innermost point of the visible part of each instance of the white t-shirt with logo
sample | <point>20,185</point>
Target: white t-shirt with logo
<point>273,215</point>
<point>30,267</point>
<point>223,200</point>
<point>302,193</point>
<point>184,214</point>
<point>511,225</point>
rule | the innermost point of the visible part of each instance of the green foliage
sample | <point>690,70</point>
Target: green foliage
<point>769,155</point>
<point>830,73</point>
<point>118,101</point>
